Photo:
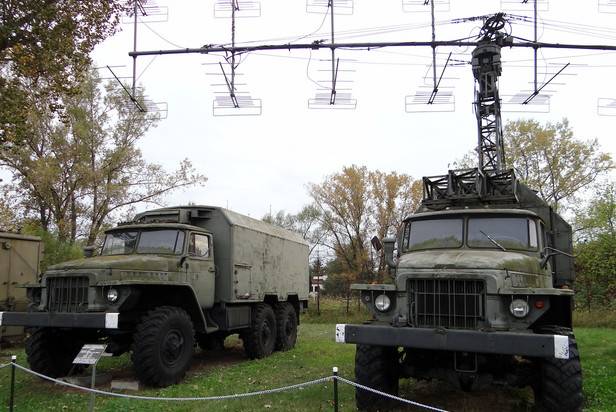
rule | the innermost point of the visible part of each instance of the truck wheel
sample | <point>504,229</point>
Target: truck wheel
<point>560,388</point>
<point>51,351</point>
<point>163,346</point>
<point>260,340</point>
<point>376,367</point>
<point>286,324</point>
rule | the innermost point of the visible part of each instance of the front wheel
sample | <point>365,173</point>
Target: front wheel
<point>163,346</point>
<point>560,387</point>
<point>52,351</point>
<point>376,367</point>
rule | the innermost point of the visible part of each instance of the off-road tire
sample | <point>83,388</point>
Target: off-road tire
<point>163,346</point>
<point>260,339</point>
<point>378,368</point>
<point>52,351</point>
<point>560,386</point>
<point>286,325</point>
<point>212,341</point>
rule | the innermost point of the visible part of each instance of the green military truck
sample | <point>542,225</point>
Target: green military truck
<point>169,278</point>
<point>20,257</point>
<point>482,294</point>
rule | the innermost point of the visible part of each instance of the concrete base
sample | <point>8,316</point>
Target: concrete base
<point>102,378</point>
<point>124,385</point>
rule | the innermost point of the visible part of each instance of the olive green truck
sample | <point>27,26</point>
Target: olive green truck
<point>167,279</point>
<point>481,294</point>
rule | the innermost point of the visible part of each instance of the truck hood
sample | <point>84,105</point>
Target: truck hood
<point>128,262</point>
<point>470,259</point>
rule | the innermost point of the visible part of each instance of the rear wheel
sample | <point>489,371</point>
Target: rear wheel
<point>376,367</point>
<point>163,346</point>
<point>260,339</point>
<point>560,387</point>
<point>286,323</point>
<point>52,351</point>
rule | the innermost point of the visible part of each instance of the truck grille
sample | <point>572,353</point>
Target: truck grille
<point>446,303</point>
<point>68,294</point>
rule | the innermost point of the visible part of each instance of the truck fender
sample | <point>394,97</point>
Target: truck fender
<point>182,296</point>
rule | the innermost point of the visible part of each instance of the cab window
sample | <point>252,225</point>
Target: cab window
<point>434,234</point>
<point>502,232</point>
<point>199,245</point>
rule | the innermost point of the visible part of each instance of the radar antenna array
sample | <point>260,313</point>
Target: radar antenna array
<point>486,64</point>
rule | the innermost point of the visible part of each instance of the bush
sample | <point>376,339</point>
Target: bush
<point>596,273</point>
<point>336,284</point>
<point>54,250</point>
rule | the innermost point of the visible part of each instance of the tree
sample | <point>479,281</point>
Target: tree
<point>45,44</point>
<point>395,197</point>
<point>551,160</point>
<point>305,223</point>
<point>75,173</point>
<point>343,199</point>
<point>599,217</point>
<point>596,251</point>
<point>357,203</point>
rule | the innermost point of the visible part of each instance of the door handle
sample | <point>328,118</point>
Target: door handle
<point>211,270</point>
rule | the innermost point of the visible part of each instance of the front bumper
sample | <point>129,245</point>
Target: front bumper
<point>503,343</point>
<point>60,320</point>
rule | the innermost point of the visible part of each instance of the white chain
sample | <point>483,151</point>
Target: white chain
<point>154,398</point>
<point>223,397</point>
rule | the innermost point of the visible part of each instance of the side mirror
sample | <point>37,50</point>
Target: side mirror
<point>88,251</point>
<point>388,246</point>
<point>376,243</point>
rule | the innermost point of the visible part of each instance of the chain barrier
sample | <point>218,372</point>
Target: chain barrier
<point>388,395</point>
<point>155,398</point>
<point>226,397</point>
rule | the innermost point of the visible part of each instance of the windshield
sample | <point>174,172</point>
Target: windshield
<point>165,241</point>
<point>502,232</point>
<point>435,234</point>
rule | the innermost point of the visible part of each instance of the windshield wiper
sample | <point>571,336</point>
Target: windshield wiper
<point>492,240</point>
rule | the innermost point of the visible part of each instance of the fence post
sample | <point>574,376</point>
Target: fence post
<point>335,370</point>
<point>92,385</point>
<point>12,396</point>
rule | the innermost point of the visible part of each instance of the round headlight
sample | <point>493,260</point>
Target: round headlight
<point>112,295</point>
<point>382,302</point>
<point>519,308</point>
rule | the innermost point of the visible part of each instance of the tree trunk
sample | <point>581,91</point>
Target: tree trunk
<point>73,219</point>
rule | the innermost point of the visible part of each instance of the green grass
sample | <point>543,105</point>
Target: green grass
<point>316,352</point>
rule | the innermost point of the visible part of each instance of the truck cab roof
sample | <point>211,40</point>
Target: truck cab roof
<point>456,212</point>
<point>139,226</point>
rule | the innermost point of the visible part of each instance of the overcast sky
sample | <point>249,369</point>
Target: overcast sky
<point>255,163</point>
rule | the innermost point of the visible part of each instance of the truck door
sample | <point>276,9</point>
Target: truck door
<point>201,272</point>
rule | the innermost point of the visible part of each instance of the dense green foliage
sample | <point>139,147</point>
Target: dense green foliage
<point>45,46</point>
<point>75,174</point>
<point>54,249</point>
<point>596,252</point>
